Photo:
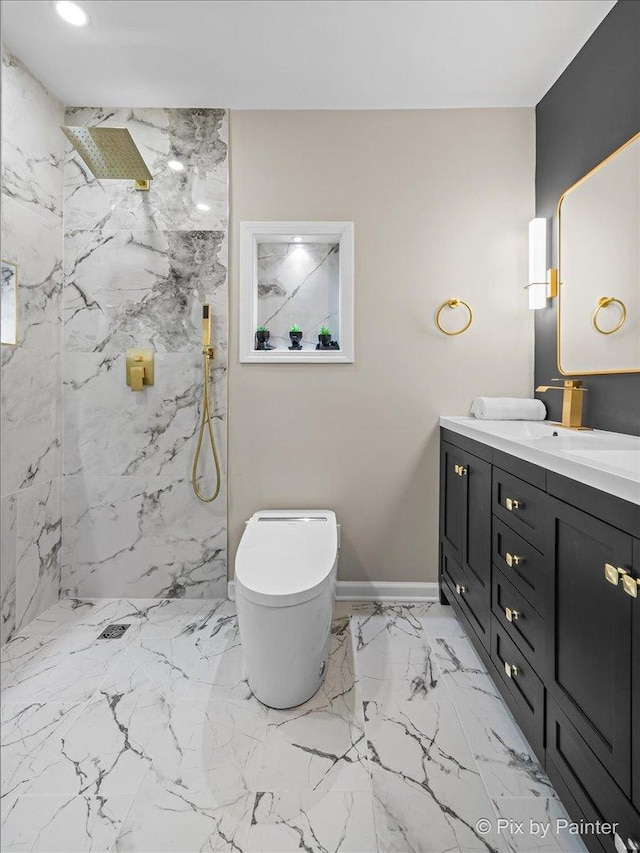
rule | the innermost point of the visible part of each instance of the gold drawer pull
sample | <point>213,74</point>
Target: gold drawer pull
<point>511,669</point>
<point>512,504</point>
<point>460,470</point>
<point>512,615</point>
<point>513,559</point>
<point>630,585</point>
<point>460,589</point>
<point>613,573</point>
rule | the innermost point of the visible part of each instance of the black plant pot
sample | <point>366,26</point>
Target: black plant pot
<point>262,340</point>
<point>325,340</point>
<point>296,337</point>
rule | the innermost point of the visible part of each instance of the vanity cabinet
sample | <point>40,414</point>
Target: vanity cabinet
<point>561,641</point>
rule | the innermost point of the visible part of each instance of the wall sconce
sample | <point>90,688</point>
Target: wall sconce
<point>543,283</point>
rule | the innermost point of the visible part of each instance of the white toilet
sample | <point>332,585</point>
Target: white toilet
<point>285,578</point>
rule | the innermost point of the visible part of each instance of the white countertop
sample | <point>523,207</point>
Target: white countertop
<point>608,461</point>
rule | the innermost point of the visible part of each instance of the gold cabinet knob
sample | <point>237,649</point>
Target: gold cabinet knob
<point>613,573</point>
<point>460,589</point>
<point>512,503</point>
<point>460,470</point>
<point>630,585</point>
<point>511,669</point>
<point>513,559</point>
<point>512,615</point>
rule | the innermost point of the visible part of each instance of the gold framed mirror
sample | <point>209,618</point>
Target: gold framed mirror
<point>598,318</point>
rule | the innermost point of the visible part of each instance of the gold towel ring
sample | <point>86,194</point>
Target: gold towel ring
<point>453,303</point>
<point>603,302</point>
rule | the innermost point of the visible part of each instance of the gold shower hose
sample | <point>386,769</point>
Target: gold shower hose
<point>207,353</point>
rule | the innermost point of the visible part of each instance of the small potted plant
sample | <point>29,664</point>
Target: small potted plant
<point>324,336</point>
<point>295,333</point>
<point>262,338</point>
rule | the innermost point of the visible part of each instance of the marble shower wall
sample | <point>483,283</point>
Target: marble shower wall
<point>137,266</point>
<point>298,283</point>
<point>31,456</point>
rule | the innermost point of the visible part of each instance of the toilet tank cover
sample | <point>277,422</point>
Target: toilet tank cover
<point>286,556</point>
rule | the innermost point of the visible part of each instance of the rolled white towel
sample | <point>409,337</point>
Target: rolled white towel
<point>508,409</point>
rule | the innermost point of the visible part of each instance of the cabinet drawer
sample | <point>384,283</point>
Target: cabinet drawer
<point>472,597</point>
<point>593,789</point>
<point>521,681</point>
<point>523,507</point>
<point>520,620</point>
<point>526,568</point>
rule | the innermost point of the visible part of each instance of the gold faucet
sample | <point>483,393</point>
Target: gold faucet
<point>572,400</point>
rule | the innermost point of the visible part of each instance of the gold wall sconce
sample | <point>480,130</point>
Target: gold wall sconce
<point>604,302</point>
<point>453,303</point>
<point>140,368</point>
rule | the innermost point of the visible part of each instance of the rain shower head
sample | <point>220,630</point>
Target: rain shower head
<point>110,153</point>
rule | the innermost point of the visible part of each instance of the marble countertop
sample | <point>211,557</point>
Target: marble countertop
<point>607,461</point>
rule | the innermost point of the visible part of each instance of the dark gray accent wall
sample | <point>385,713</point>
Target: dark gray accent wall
<point>591,109</point>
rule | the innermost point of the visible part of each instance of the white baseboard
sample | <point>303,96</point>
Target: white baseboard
<point>375,591</point>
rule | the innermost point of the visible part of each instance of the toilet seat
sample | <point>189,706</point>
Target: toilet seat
<point>287,557</point>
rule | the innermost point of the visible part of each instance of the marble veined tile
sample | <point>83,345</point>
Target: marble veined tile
<point>128,289</point>
<point>34,243</point>
<point>428,794</point>
<point>32,142</point>
<point>197,138</point>
<point>142,537</point>
<point>38,547</point>
<point>315,822</point>
<point>393,657</point>
<point>166,818</point>
<point>536,825</point>
<point>54,823</point>
<point>8,519</point>
<point>30,419</point>
<point>111,430</point>
<point>439,620</point>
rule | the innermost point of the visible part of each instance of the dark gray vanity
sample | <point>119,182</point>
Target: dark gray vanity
<point>543,570</point>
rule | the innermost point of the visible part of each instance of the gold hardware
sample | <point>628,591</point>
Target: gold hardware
<point>453,303</point>
<point>559,243</point>
<point>604,302</point>
<point>511,669</point>
<point>613,574</point>
<point>110,153</point>
<point>630,585</point>
<point>456,468</point>
<point>572,400</point>
<point>460,589</point>
<point>460,470</point>
<point>143,185</point>
<point>512,504</point>
<point>513,559</point>
<point>512,615</point>
<point>552,283</point>
<point>140,368</point>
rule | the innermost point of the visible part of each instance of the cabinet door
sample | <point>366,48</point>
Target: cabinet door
<point>589,667</point>
<point>635,689</point>
<point>452,486</point>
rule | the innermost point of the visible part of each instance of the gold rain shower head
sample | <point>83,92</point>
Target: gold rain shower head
<point>110,153</point>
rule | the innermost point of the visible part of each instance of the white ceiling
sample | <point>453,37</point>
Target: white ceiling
<point>303,54</point>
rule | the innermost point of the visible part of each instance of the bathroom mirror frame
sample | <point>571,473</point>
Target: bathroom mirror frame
<point>559,312</point>
<point>254,233</point>
<point>14,266</point>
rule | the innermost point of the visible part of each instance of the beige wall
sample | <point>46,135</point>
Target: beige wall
<point>441,200</point>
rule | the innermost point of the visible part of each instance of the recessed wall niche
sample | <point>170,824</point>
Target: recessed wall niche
<point>296,295</point>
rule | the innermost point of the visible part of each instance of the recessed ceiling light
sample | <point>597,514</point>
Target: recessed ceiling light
<point>203,206</point>
<point>176,165</point>
<point>297,239</point>
<point>71,13</point>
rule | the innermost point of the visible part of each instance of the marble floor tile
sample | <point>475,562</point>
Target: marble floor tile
<point>8,542</point>
<point>428,793</point>
<point>438,620</point>
<point>536,825</point>
<point>167,818</point>
<point>55,823</point>
<point>317,823</point>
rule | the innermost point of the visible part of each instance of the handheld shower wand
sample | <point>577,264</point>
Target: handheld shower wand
<point>207,353</point>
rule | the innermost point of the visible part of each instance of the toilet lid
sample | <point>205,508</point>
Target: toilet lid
<point>286,556</point>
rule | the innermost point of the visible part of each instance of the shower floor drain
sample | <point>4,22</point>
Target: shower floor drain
<point>113,632</point>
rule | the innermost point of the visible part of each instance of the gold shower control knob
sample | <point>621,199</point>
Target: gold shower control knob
<point>139,368</point>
